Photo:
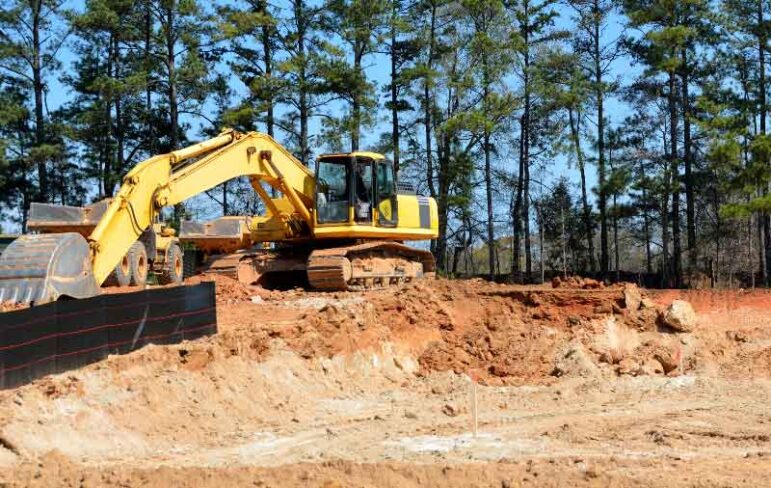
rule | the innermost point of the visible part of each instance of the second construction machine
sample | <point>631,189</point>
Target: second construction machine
<point>342,227</point>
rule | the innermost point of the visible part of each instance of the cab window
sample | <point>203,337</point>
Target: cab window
<point>363,191</point>
<point>386,194</point>
<point>332,194</point>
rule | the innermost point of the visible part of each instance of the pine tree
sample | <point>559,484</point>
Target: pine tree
<point>660,50</point>
<point>107,113</point>
<point>251,29</point>
<point>184,51</point>
<point>430,21</point>
<point>534,26</point>
<point>30,40</point>
<point>402,51</point>
<point>490,47</point>
<point>360,25</point>
<point>596,57</point>
<point>300,71</point>
<point>747,23</point>
<point>568,87</point>
<point>16,138</point>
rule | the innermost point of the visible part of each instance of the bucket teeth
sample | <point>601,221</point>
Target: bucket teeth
<point>41,268</point>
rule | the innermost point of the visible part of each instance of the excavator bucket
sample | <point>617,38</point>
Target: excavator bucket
<point>43,267</point>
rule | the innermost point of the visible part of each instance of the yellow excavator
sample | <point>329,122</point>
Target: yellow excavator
<point>344,227</point>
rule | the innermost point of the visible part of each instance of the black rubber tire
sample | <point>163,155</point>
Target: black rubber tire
<point>190,262</point>
<point>140,266</point>
<point>121,275</point>
<point>173,268</point>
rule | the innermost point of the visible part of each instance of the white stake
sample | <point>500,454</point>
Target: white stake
<point>474,417</point>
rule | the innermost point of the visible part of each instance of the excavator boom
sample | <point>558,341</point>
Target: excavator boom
<point>40,268</point>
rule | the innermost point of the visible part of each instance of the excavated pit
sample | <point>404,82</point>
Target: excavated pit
<point>574,386</point>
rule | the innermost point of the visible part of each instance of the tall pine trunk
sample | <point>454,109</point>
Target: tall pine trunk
<point>356,101</point>
<point>428,103</point>
<point>525,200</point>
<point>602,200</point>
<point>766,223</point>
<point>690,207</point>
<point>267,55</point>
<point>394,90</point>
<point>675,180</point>
<point>38,86</point>
<point>575,132</point>
<point>303,104</point>
<point>488,175</point>
<point>171,91</point>
<point>516,214</point>
<point>438,246</point>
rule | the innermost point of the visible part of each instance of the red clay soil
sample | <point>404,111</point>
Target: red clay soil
<point>734,333</point>
<point>510,335</point>
<point>286,394</point>
<point>498,334</point>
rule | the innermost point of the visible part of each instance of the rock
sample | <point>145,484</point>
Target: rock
<point>542,314</point>
<point>647,303</point>
<point>737,336</point>
<point>628,366</point>
<point>556,282</point>
<point>450,410</point>
<point>632,297</point>
<point>256,299</point>
<point>573,361</point>
<point>680,316</point>
<point>651,367</point>
<point>499,370</point>
<point>669,360</point>
<point>603,309</point>
<point>592,284</point>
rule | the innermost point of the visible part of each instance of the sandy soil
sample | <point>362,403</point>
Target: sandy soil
<point>572,386</point>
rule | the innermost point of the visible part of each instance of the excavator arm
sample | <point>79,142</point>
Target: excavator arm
<point>40,268</point>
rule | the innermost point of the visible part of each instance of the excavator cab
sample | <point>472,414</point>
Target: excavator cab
<point>357,188</point>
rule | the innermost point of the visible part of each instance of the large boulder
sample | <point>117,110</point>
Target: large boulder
<point>680,316</point>
<point>632,297</point>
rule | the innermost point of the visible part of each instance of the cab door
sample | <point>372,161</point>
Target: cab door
<point>333,196</point>
<point>385,194</point>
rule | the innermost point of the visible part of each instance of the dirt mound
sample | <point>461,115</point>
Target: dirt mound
<point>295,382</point>
<point>513,335</point>
<point>495,333</point>
<point>228,289</point>
<point>577,282</point>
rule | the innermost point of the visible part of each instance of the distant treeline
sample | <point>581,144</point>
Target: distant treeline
<point>659,106</point>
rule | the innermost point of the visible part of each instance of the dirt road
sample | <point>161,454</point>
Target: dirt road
<point>306,389</point>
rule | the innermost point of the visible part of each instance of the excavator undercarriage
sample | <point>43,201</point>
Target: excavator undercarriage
<point>353,267</point>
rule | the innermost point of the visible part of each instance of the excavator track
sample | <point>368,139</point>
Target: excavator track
<point>368,266</point>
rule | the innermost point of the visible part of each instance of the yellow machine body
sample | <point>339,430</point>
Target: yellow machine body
<point>308,210</point>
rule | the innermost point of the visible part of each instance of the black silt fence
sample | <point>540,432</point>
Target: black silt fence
<point>64,335</point>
